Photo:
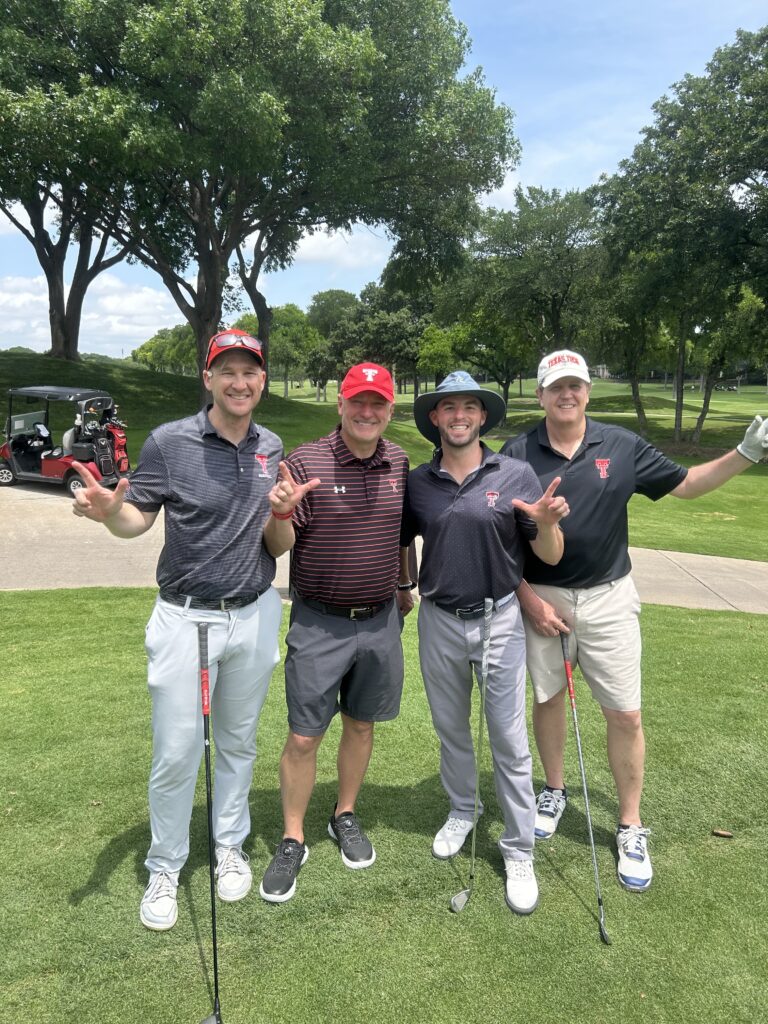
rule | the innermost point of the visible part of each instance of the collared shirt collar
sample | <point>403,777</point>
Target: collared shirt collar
<point>488,457</point>
<point>344,456</point>
<point>206,427</point>
<point>593,434</point>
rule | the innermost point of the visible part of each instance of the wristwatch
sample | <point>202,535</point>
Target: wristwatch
<point>406,586</point>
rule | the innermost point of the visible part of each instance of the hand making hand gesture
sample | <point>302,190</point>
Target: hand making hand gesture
<point>94,501</point>
<point>286,494</point>
<point>548,510</point>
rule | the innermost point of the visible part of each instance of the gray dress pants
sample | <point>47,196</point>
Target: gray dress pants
<point>450,653</point>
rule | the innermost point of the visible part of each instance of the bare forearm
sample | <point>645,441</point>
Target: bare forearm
<point>279,535</point>
<point>129,521</point>
<point>548,545</point>
<point>711,475</point>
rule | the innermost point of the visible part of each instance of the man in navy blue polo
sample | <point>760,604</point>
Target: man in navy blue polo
<point>589,594</point>
<point>477,512</point>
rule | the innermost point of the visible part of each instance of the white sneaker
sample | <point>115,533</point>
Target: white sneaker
<point>159,908</point>
<point>233,873</point>
<point>521,890</point>
<point>550,804</point>
<point>450,839</point>
<point>634,867</point>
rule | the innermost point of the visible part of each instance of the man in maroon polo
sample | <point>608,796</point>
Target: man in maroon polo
<point>349,597</point>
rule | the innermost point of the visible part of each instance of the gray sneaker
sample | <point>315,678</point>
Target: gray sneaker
<point>279,881</point>
<point>550,804</point>
<point>355,846</point>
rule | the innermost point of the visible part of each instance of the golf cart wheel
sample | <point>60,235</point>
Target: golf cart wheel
<point>6,475</point>
<point>73,483</point>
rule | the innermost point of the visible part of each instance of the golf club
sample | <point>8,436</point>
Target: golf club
<point>572,697</point>
<point>460,900</point>
<point>202,639</point>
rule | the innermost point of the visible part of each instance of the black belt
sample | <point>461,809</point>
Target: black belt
<point>472,611</point>
<point>221,604</point>
<point>359,612</point>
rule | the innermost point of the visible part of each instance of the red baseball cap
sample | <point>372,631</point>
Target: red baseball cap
<point>233,338</point>
<point>368,377</point>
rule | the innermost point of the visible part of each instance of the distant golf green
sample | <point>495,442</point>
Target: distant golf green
<point>732,521</point>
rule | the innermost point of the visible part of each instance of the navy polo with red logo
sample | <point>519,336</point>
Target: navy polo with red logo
<point>611,465</point>
<point>472,535</point>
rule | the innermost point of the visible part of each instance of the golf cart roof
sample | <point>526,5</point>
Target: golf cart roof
<point>55,393</point>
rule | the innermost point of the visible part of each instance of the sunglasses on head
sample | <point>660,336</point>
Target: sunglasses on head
<point>229,339</point>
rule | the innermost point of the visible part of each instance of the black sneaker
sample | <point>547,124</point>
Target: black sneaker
<point>355,846</point>
<point>279,881</point>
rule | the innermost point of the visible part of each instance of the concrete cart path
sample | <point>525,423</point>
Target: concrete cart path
<point>45,547</point>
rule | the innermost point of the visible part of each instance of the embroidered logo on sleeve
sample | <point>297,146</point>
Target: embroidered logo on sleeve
<point>491,497</point>
<point>262,461</point>
<point>602,466</point>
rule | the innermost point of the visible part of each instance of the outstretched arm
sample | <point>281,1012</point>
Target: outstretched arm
<point>546,513</point>
<point>100,505</point>
<point>711,475</point>
<point>279,535</point>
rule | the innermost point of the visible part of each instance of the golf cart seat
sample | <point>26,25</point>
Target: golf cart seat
<point>68,440</point>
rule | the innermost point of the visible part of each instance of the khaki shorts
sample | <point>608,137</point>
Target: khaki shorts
<point>604,642</point>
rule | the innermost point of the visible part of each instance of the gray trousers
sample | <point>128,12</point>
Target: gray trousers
<point>449,650</point>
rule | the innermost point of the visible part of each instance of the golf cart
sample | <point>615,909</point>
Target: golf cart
<point>93,436</point>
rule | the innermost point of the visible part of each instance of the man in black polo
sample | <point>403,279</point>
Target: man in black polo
<point>590,593</point>
<point>214,475</point>
<point>477,512</point>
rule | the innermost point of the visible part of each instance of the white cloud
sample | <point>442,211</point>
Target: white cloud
<point>347,250</point>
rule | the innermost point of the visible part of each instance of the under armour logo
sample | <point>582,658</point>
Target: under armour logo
<point>340,490</point>
<point>393,484</point>
<point>492,497</point>
<point>369,373</point>
<point>602,465</point>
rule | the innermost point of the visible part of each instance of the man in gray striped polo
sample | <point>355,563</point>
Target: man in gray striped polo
<point>214,475</point>
<point>476,512</point>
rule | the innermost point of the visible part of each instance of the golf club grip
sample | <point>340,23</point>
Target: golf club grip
<point>567,664</point>
<point>202,645</point>
<point>487,615</point>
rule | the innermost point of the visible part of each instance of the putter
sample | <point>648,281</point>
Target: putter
<point>572,697</point>
<point>460,900</point>
<point>202,639</point>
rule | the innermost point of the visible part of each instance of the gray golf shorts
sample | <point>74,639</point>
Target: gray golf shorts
<point>604,642</point>
<point>335,664</point>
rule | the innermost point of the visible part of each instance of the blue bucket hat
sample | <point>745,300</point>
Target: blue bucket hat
<point>457,383</point>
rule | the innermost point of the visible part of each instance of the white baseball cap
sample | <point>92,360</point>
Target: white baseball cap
<point>562,363</point>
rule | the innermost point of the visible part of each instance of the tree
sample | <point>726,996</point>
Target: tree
<point>42,188</point>
<point>171,350</point>
<point>292,338</point>
<point>243,125</point>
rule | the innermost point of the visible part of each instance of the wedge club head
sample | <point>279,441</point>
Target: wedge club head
<point>460,900</point>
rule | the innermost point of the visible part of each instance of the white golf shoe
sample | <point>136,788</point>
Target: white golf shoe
<point>521,890</point>
<point>634,867</point>
<point>159,908</point>
<point>450,839</point>
<point>550,804</point>
<point>233,873</point>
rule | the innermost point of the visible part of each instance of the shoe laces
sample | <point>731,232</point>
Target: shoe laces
<point>231,859</point>
<point>456,825</point>
<point>549,803</point>
<point>633,841</point>
<point>350,826</point>
<point>519,870</point>
<point>162,885</point>
<point>288,857</point>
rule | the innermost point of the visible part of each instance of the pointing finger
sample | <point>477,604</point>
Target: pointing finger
<point>552,487</point>
<point>88,477</point>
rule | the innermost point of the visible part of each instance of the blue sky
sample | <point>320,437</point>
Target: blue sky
<point>581,79</point>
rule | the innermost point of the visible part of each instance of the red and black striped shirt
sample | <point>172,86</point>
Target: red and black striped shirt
<point>347,548</point>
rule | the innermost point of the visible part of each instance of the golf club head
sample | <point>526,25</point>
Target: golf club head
<point>460,900</point>
<point>604,935</point>
<point>215,1018</point>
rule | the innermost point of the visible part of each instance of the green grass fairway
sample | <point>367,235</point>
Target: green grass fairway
<point>378,945</point>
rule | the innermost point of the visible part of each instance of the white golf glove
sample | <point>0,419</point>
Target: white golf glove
<point>755,444</point>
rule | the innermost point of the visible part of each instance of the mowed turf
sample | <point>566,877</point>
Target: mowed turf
<point>378,945</point>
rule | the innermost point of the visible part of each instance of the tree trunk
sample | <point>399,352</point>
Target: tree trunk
<point>285,384</point>
<point>637,401</point>
<point>709,386</point>
<point>505,386</point>
<point>416,384</point>
<point>680,379</point>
